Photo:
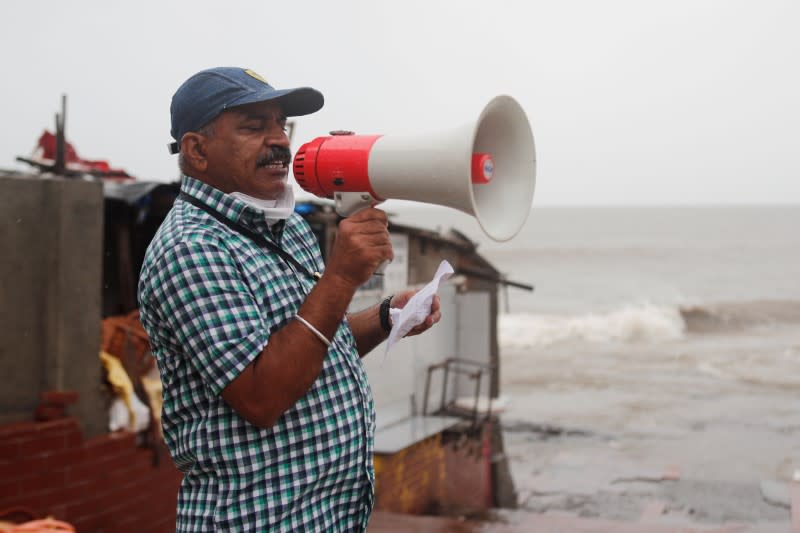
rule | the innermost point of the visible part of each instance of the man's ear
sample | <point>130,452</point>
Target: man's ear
<point>193,149</point>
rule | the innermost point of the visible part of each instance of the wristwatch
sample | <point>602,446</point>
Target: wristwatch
<point>383,313</point>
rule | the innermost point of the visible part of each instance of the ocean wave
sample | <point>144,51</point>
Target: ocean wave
<point>640,323</point>
<point>644,323</point>
<point>734,316</point>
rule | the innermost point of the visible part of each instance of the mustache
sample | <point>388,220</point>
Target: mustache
<point>276,154</point>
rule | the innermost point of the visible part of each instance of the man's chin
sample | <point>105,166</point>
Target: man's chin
<point>270,188</point>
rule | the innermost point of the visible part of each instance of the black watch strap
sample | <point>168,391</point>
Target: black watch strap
<point>383,313</point>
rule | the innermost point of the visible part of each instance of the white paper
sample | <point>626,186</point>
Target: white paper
<point>418,307</point>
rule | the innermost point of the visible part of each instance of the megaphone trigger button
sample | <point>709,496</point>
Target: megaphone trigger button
<point>338,182</point>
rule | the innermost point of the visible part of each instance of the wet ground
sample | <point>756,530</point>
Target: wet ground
<point>674,438</point>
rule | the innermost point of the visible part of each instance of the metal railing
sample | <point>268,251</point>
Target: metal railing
<point>471,369</point>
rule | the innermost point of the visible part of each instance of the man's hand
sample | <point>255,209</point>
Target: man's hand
<point>400,300</point>
<point>362,244</point>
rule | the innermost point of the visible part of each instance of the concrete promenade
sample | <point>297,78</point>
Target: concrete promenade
<point>383,522</point>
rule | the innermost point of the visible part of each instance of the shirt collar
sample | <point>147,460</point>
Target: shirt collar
<point>230,207</point>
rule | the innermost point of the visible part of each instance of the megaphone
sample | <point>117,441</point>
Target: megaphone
<point>486,168</point>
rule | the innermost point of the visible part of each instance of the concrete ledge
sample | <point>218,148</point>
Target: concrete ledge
<point>400,435</point>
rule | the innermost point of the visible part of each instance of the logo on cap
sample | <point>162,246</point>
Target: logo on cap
<point>255,75</point>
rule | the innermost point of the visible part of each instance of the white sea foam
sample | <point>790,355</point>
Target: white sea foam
<point>633,323</point>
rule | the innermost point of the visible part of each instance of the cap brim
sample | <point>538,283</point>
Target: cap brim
<point>294,102</point>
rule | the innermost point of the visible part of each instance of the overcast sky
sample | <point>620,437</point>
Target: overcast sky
<point>631,102</point>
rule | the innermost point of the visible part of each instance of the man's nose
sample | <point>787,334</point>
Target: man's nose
<point>278,137</point>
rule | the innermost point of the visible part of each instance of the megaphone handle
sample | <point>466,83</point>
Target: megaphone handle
<point>382,268</point>
<point>350,203</point>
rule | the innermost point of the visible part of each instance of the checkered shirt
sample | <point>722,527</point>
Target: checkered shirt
<point>209,299</point>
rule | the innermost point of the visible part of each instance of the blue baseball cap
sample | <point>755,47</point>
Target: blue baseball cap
<point>210,92</point>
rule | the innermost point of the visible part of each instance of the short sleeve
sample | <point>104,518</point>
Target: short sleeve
<point>200,293</point>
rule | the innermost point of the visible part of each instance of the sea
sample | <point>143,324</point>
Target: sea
<point>642,274</point>
<point>669,334</point>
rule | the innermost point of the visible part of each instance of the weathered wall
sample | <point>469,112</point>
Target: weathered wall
<point>51,234</point>
<point>102,484</point>
<point>411,480</point>
<point>467,486</point>
<point>448,473</point>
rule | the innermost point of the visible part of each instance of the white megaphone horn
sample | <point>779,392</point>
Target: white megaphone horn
<point>486,169</point>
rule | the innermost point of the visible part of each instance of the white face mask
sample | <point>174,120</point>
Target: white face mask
<point>274,210</point>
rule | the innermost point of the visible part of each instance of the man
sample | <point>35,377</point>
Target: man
<point>267,409</point>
